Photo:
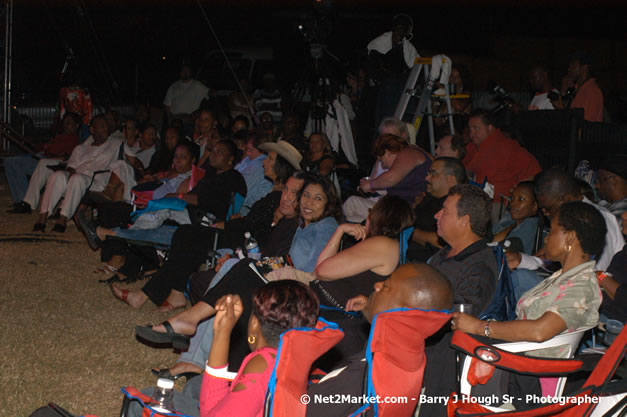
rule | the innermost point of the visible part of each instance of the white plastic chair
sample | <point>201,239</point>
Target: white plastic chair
<point>571,340</point>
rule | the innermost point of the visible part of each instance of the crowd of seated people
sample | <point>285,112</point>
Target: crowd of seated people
<point>481,188</point>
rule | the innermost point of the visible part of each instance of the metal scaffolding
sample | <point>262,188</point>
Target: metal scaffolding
<point>6,17</point>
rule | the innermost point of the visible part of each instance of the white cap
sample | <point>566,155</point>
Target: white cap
<point>165,383</point>
<point>247,235</point>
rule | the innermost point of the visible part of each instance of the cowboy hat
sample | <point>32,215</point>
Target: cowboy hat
<point>284,149</point>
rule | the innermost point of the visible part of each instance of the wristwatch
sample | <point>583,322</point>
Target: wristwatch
<point>486,329</point>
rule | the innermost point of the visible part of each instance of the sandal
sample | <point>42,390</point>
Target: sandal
<point>123,297</point>
<point>106,268</point>
<point>166,306</point>
<point>112,279</point>
<point>170,337</point>
<point>165,373</point>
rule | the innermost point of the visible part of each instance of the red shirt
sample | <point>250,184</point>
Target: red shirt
<point>60,145</point>
<point>502,160</point>
<point>590,98</point>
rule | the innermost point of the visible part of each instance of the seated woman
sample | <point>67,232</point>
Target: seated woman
<point>162,160</point>
<point>191,243</point>
<point>319,210</point>
<point>320,157</point>
<point>212,194</point>
<point>124,171</point>
<point>567,300</point>
<point>117,214</point>
<point>407,166</point>
<point>353,271</point>
<point>521,229</point>
<point>274,308</point>
<point>340,276</point>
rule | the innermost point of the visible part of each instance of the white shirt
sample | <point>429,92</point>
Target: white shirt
<point>185,97</point>
<point>541,101</point>
<point>383,44</point>
<point>614,242</point>
<point>145,155</point>
<point>87,158</point>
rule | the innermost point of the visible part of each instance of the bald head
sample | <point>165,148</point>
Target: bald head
<point>427,288</point>
<point>410,286</point>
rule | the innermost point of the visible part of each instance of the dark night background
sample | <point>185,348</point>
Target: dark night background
<point>124,42</point>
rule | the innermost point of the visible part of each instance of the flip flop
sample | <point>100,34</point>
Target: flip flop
<point>170,337</point>
<point>165,373</point>
<point>166,306</point>
<point>106,268</point>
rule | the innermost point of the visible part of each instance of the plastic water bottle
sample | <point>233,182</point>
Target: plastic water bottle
<point>163,395</point>
<point>252,248</point>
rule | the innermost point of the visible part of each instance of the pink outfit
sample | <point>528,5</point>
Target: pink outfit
<point>218,399</point>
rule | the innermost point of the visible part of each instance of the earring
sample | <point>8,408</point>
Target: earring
<point>251,340</point>
<point>569,248</point>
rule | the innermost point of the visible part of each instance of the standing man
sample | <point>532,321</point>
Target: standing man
<point>541,85</point>
<point>184,97</point>
<point>588,95</point>
<point>392,55</point>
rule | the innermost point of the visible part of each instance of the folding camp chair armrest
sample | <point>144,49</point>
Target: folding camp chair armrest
<point>516,362</point>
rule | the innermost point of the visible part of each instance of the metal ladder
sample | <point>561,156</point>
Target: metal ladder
<point>424,104</point>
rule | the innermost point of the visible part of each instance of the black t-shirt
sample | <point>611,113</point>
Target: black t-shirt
<point>280,238</point>
<point>258,222</point>
<point>214,192</point>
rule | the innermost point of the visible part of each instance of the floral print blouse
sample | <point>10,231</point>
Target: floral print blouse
<point>573,295</point>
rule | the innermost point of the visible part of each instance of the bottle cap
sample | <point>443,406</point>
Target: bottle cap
<point>247,235</point>
<point>165,383</point>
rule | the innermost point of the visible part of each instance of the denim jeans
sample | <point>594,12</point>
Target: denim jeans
<point>162,235</point>
<point>200,344</point>
<point>18,169</point>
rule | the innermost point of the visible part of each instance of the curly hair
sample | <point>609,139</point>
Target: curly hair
<point>334,204</point>
<point>389,217</point>
<point>587,223</point>
<point>283,305</point>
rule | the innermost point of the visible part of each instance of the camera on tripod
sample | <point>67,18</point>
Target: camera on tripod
<point>501,96</point>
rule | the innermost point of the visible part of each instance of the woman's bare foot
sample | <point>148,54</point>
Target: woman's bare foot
<point>186,321</point>
<point>175,300</point>
<point>135,299</point>
<point>183,367</point>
